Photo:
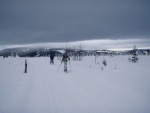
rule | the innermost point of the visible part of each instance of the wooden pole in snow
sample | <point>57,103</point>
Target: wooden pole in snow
<point>25,71</point>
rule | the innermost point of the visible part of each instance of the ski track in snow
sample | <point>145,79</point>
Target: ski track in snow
<point>122,87</point>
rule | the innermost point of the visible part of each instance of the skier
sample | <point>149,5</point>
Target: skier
<point>65,58</point>
<point>52,55</point>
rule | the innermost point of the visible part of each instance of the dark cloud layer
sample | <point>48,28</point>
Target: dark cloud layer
<point>34,21</point>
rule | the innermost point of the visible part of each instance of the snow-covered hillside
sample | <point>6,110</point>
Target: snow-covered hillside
<point>120,87</point>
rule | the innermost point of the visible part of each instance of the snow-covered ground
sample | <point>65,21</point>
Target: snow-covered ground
<point>120,87</point>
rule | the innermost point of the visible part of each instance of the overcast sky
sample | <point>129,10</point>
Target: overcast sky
<point>48,21</point>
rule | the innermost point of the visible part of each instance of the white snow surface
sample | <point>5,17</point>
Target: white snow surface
<point>121,87</point>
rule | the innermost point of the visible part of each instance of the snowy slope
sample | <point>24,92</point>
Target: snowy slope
<point>121,87</point>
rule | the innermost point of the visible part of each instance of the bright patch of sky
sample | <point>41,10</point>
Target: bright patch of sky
<point>121,44</point>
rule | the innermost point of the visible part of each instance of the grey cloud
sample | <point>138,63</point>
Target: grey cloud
<point>34,21</point>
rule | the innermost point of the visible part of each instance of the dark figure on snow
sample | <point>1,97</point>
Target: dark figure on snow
<point>52,55</point>
<point>104,62</point>
<point>25,71</point>
<point>65,59</point>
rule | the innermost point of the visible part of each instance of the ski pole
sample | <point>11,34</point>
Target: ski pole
<point>70,65</point>
<point>59,66</point>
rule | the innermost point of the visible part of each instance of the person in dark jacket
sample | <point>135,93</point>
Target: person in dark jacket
<point>52,55</point>
<point>65,59</point>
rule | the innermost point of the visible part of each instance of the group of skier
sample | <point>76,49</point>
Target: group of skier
<point>65,59</point>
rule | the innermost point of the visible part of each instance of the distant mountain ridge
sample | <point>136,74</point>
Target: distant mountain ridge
<point>37,52</point>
